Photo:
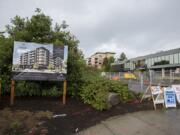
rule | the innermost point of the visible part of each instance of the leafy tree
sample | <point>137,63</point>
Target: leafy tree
<point>122,57</point>
<point>107,63</point>
<point>39,29</point>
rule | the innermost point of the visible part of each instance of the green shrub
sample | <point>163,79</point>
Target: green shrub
<point>53,92</point>
<point>95,89</point>
<point>120,88</point>
<point>23,88</point>
<point>95,93</point>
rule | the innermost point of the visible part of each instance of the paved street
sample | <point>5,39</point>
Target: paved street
<point>160,122</point>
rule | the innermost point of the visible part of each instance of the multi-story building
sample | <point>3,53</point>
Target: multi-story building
<point>158,61</point>
<point>24,59</point>
<point>97,59</point>
<point>58,56</point>
<point>40,56</point>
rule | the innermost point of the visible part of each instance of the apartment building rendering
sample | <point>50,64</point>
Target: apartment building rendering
<point>40,56</point>
<point>97,59</point>
<point>34,57</point>
<point>162,60</point>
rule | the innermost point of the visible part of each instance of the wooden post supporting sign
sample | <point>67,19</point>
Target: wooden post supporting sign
<point>12,92</point>
<point>0,89</point>
<point>64,91</point>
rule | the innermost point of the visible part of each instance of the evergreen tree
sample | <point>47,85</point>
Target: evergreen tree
<point>122,57</point>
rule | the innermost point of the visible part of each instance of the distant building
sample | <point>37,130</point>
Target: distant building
<point>158,61</point>
<point>97,59</point>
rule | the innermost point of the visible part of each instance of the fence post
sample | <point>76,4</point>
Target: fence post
<point>141,77</point>
<point>163,73</point>
<point>150,77</point>
<point>170,75</point>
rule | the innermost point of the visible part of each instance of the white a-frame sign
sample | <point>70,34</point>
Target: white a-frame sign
<point>156,93</point>
<point>170,97</point>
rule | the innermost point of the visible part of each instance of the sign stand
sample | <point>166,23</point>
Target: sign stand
<point>156,94</point>
<point>146,94</point>
<point>64,91</point>
<point>39,62</point>
<point>0,89</point>
<point>12,92</point>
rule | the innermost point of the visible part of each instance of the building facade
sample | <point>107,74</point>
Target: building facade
<point>58,56</point>
<point>40,56</point>
<point>161,60</point>
<point>97,59</point>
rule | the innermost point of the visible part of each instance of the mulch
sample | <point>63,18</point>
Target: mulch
<point>79,116</point>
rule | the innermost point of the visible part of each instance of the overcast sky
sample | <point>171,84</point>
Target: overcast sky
<point>136,27</point>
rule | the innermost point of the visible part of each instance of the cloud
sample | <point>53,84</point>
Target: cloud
<point>113,46</point>
<point>136,27</point>
<point>20,51</point>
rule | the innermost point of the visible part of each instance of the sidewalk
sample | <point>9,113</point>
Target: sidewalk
<point>160,122</point>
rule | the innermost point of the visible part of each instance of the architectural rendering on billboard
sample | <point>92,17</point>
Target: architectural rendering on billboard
<point>33,61</point>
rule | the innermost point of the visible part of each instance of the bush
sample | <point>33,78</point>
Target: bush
<point>120,88</point>
<point>95,89</point>
<point>23,88</point>
<point>95,93</point>
<point>53,92</point>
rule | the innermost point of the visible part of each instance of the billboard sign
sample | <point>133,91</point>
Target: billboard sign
<point>33,61</point>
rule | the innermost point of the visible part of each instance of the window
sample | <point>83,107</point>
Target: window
<point>155,59</point>
<point>159,59</point>
<point>149,62</point>
<point>152,61</point>
<point>167,57</point>
<point>171,59</point>
<point>176,58</point>
<point>163,58</point>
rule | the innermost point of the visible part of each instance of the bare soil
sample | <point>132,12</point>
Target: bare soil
<point>79,116</point>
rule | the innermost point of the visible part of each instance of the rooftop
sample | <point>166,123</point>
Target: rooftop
<point>103,53</point>
<point>157,54</point>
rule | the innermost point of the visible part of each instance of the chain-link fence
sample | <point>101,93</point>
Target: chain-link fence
<point>167,77</point>
<point>139,81</point>
<point>119,75</point>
